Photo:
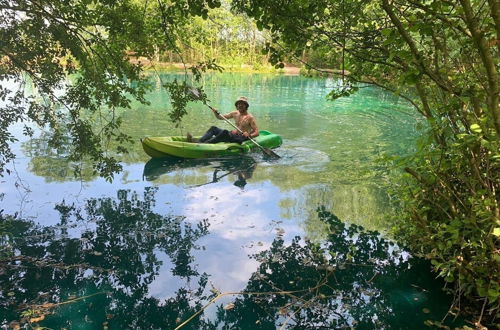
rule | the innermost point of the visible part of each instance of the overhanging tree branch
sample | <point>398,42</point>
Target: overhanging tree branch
<point>487,59</point>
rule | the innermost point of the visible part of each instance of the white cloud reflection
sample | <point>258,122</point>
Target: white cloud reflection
<point>241,223</point>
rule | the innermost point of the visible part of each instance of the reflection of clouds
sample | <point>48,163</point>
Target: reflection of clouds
<point>164,285</point>
<point>242,222</point>
<point>230,275</point>
<point>228,265</point>
<point>232,213</point>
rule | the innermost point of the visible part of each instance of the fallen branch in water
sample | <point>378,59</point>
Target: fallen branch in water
<point>242,293</point>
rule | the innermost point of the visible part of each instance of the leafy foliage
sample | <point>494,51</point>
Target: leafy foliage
<point>453,215</point>
<point>45,42</point>
<point>343,91</point>
<point>184,92</point>
<point>442,57</point>
<point>232,38</point>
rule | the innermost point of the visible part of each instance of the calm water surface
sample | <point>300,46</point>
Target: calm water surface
<point>295,243</point>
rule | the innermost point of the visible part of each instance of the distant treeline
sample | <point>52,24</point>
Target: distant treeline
<point>234,39</point>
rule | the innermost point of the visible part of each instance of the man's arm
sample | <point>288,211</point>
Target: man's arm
<point>255,129</point>
<point>229,115</point>
<point>219,116</point>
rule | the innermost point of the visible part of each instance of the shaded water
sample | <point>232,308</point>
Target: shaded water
<point>153,247</point>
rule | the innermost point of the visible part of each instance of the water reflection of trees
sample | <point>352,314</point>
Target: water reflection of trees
<point>114,261</point>
<point>354,279</point>
<point>54,164</point>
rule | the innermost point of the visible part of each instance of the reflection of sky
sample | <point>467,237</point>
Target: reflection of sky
<point>242,222</point>
<point>326,144</point>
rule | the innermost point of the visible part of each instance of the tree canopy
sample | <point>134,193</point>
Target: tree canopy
<point>45,42</point>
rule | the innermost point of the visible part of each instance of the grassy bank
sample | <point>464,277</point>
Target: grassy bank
<point>228,67</point>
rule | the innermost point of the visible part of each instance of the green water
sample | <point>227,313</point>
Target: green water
<point>301,234</point>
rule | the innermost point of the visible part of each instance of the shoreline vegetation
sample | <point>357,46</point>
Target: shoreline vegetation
<point>288,69</point>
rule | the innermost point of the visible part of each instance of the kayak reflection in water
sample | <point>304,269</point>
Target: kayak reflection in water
<point>243,120</point>
<point>241,175</point>
<point>242,167</point>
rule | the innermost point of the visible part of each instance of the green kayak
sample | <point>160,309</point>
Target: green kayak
<point>158,147</point>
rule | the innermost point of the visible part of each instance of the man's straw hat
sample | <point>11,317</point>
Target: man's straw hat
<point>242,99</point>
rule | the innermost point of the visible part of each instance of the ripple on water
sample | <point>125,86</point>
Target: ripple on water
<point>306,159</point>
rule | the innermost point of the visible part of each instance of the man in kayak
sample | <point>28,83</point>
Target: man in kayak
<point>243,120</point>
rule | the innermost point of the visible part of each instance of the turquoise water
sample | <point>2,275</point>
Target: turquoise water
<point>295,243</point>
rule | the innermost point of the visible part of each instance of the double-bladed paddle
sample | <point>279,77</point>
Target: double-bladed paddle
<point>196,93</point>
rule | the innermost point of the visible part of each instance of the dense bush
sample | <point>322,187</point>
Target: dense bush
<point>449,199</point>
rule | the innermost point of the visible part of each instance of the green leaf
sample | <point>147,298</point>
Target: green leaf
<point>386,32</point>
<point>492,293</point>
<point>411,78</point>
<point>482,291</point>
<point>475,128</point>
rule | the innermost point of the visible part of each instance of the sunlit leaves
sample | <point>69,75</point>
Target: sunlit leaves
<point>202,67</point>
<point>429,53</point>
<point>342,91</point>
<point>44,46</point>
<point>181,93</point>
<point>43,42</point>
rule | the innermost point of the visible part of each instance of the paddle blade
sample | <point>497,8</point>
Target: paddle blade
<point>198,95</point>
<point>195,92</point>
<point>270,153</point>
